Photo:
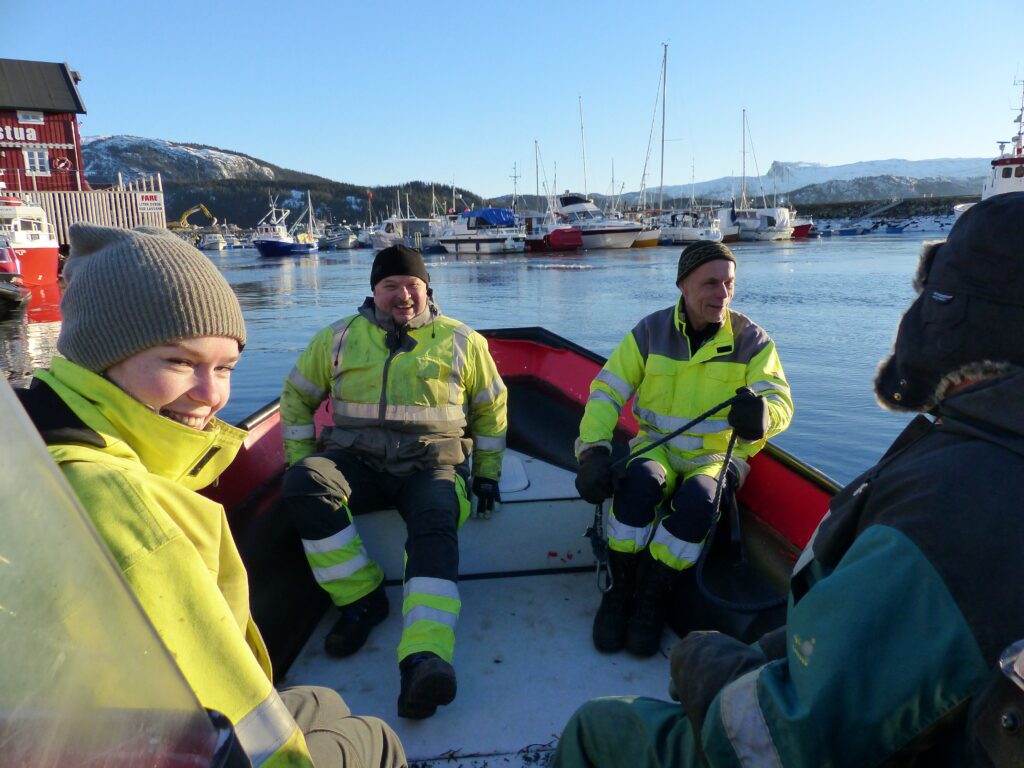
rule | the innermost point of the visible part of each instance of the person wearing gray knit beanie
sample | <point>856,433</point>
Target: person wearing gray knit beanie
<point>150,336</point>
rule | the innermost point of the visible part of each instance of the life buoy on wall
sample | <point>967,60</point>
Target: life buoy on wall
<point>61,164</point>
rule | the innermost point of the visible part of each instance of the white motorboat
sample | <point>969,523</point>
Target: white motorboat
<point>486,230</point>
<point>690,226</point>
<point>339,237</point>
<point>599,231</point>
<point>213,241</point>
<point>1007,169</point>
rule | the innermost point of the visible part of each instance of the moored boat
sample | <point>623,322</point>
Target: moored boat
<point>25,228</point>
<point>599,231</point>
<point>690,226</point>
<point>1008,169</point>
<point>524,655</point>
<point>13,292</point>
<point>544,234</point>
<point>213,241</point>
<point>486,230</point>
<point>272,237</point>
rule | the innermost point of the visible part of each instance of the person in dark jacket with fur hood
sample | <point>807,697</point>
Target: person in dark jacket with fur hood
<point>909,592</point>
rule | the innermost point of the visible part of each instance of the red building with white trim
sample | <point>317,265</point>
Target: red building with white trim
<point>40,146</point>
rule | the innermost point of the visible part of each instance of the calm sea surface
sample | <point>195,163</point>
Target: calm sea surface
<point>832,306</point>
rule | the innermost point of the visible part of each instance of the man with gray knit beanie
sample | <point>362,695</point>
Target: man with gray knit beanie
<point>680,361</point>
<point>151,331</point>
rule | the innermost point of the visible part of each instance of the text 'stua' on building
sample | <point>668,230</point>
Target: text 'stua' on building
<point>40,145</point>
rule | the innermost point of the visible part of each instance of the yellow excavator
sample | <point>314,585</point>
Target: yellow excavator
<point>182,223</point>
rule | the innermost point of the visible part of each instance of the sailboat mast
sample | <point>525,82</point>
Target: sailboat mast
<point>661,180</point>
<point>743,177</point>
<point>536,173</point>
<point>583,141</point>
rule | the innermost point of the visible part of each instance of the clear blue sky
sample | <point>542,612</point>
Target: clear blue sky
<point>387,92</point>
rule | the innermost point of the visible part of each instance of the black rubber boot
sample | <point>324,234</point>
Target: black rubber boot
<point>653,592</point>
<point>616,604</point>
<point>350,631</point>
<point>428,681</point>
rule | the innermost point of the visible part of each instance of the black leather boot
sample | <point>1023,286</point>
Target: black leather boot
<point>653,592</point>
<point>428,681</point>
<point>350,631</point>
<point>616,604</point>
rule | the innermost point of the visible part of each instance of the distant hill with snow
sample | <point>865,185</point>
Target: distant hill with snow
<point>238,184</point>
<point>235,187</point>
<point>840,183</point>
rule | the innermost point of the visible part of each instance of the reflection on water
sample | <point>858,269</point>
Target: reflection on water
<point>832,307</point>
<point>28,337</point>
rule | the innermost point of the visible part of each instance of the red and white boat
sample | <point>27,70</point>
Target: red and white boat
<point>25,227</point>
<point>544,234</point>
<point>802,227</point>
<point>1007,169</point>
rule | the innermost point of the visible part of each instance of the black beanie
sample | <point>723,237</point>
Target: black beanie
<point>699,253</point>
<point>398,260</point>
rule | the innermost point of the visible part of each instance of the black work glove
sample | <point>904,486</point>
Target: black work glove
<point>594,477</point>
<point>749,417</point>
<point>487,495</point>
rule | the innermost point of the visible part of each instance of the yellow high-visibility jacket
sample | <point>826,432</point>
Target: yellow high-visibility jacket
<point>403,409</point>
<point>136,474</point>
<point>674,386</point>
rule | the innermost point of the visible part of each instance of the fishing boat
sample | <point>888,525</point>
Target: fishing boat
<point>1008,168</point>
<point>524,656</point>
<point>485,230</point>
<point>803,227</point>
<point>26,229</point>
<point>273,238</point>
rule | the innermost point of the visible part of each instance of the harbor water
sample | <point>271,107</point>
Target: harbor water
<point>832,306</point>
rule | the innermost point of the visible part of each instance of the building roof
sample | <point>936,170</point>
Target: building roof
<point>40,86</point>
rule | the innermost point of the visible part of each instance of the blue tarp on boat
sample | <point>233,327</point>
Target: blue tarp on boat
<point>496,217</point>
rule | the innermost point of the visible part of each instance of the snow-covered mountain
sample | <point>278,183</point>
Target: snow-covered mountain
<point>953,175</point>
<point>134,156</point>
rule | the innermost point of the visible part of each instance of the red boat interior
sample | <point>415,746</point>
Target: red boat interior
<point>548,380</point>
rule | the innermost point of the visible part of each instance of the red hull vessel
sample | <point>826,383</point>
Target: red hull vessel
<point>560,239</point>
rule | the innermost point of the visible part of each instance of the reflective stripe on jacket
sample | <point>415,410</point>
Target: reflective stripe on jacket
<point>673,386</point>
<point>135,474</point>
<point>403,409</point>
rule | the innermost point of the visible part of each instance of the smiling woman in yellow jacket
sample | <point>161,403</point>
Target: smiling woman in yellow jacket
<point>151,333</point>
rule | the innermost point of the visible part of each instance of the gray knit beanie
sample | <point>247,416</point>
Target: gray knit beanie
<point>129,290</point>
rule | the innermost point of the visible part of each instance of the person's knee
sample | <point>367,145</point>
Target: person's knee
<point>641,492</point>
<point>693,509</point>
<point>315,475</point>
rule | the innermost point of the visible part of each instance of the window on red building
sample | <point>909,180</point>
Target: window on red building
<point>37,162</point>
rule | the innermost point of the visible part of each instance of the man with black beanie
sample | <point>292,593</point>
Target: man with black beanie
<point>679,361</point>
<point>413,395</point>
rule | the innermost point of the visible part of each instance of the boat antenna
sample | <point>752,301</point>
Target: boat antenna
<point>515,187</point>
<point>664,77</point>
<point>583,141</point>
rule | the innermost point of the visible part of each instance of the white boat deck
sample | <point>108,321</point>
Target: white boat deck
<point>523,654</point>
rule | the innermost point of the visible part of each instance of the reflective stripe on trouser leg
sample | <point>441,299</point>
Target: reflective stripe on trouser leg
<point>316,492</point>
<point>635,505</point>
<point>681,535</point>
<point>265,729</point>
<point>430,611</point>
<point>341,566</point>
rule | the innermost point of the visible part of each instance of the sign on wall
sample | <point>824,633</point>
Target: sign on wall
<point>150,202</point>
